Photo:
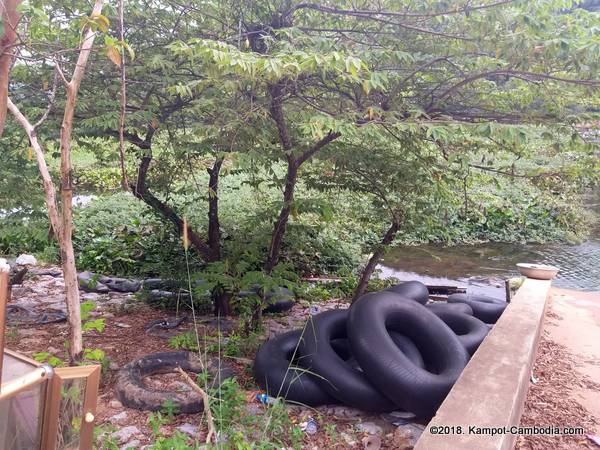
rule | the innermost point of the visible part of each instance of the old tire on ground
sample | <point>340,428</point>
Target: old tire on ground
<point>279,376</point>
<point>456,307</point>
<point>279,300</point>
<point>323,352</point>
<point>412,388</point>
<point>487,309</point>
<point>470,330</point>
<point>133,393</point>
<point>415,290</point>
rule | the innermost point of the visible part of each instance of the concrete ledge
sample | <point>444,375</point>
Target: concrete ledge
<point>491,390</point>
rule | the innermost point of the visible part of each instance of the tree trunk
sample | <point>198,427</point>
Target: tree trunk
<point>214,227</point>
<point>124,182</point>
<point>378,252</point>
<point>284,215</point>
<point>63,225</point>
<point>10,19</point>
<point>140,190</point>
<point>222,303</point>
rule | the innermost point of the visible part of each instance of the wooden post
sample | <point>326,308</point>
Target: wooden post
<point>3,300</point>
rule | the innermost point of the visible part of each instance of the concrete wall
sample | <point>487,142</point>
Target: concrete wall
<point>491,390</point>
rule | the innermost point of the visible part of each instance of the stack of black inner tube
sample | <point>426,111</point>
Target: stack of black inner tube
<point>389,351</point>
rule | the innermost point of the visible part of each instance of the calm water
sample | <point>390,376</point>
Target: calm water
<point>483,267</point>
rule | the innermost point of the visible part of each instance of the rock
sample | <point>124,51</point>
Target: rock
<point>371,442</point>
<point>406,436</point>
<point>157,295</point>
<point>93,296</point>
<point>133,444</point>
<point>26,260</point>
<point>369,427</point>
<point>48,272</point>
<point>344,412</point>
<point>348,439</point>
<point>118,417</point>
<point>116,404</point>
<point>121,284</point>
<point>113,366</point>
<point>125,434</point>
<point>398,417</point>
<point>122,325</point>
<point>158,284</point>
<point>189,429</point>
<point>4,266</point>
<point>88,281</point>
<point>402,439</point>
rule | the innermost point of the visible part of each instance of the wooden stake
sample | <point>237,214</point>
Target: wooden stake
<point>199,390</point>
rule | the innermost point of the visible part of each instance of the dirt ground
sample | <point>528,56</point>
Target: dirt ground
<point>125,339</point>
<point>567,372</point>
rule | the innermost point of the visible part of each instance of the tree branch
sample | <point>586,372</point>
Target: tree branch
<point>331,136</point>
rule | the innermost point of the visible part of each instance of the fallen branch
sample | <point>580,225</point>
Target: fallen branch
<point>199,390</point>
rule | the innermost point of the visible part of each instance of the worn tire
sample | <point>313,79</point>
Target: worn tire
<point>133,393</point>
<point>415,290</point>
<point>470,330</point>
<point>273,372</point>
<point>411,388</point>
<point>487,309</point>
<point>456,307</point>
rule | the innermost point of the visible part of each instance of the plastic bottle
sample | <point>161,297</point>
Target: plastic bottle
<point>265,399</point>
<point>311,426</point>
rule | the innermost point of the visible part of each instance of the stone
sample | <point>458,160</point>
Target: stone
<point>121,284</point>
<point>371,442</point>
<point>407,435</point>
<point>122,325</point>
<point>402,439</point>
<point>118,417</point>
<point>348,439</point>
<point>26,260</point>
<point>369,427</point>
<point>344,412</point>
<point>157,295</point>
<point>398,417</point>
<point>113,366</point>
<point>88,281</point>
<point>133,444</point>
<point>189,429</point>
<point>93,296</point>
<point>125,434</point>
<point>158,284</point>
<point>116,404</point>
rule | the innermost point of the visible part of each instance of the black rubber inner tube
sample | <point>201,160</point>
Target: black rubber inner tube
<point>487,309</point>
<point>457,307</point>
<point>133,393</point>
<point>341,376</point>
<point>276,370</point>
<point>470,331</point>
<point>410,387</point>
<point>415,290</point>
